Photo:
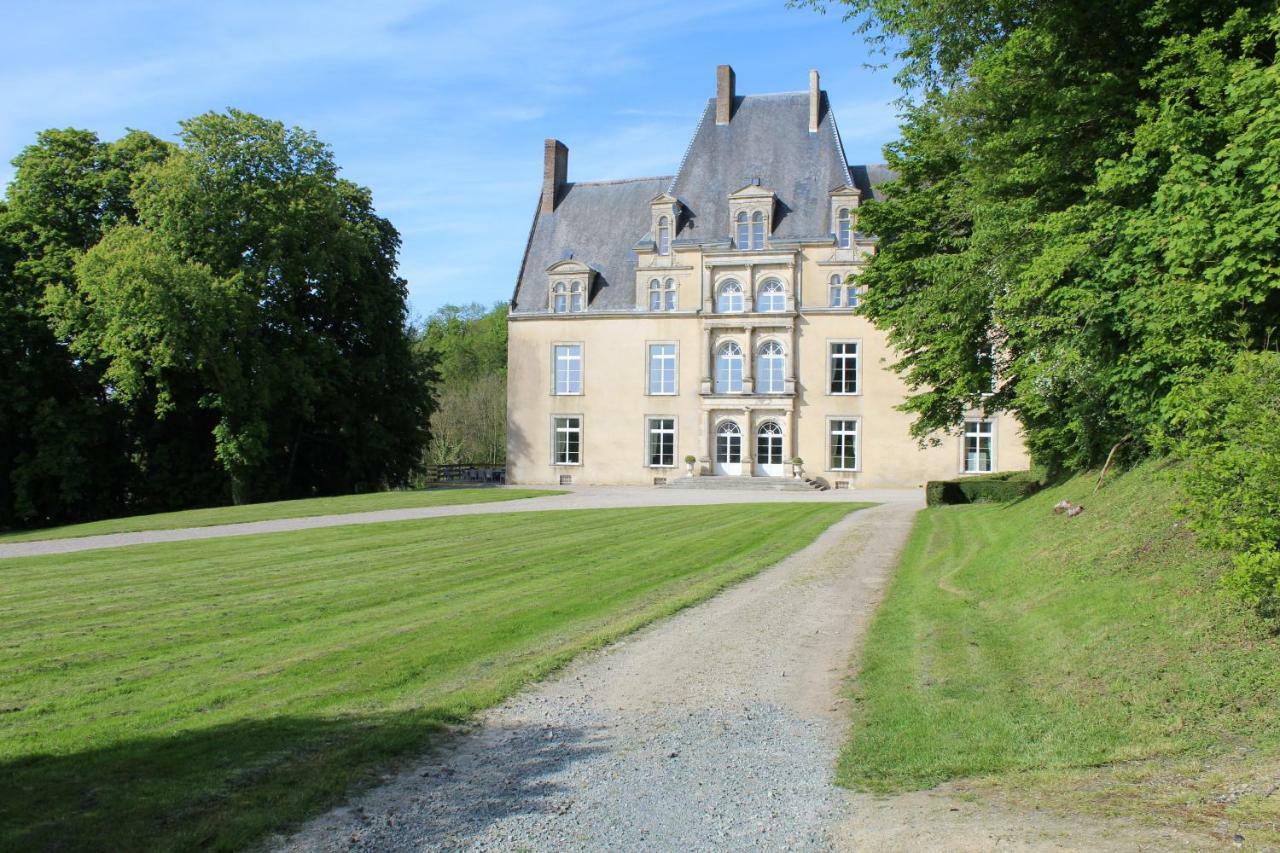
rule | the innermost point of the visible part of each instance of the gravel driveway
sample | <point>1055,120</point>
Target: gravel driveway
<point>715,729</point>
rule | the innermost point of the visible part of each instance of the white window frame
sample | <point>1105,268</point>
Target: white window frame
<point>675,368</point>
<point>742,234</point>
<point>760,372</point>
<point>742,374</point>
<point>560,298</point>
<point>844,227</point>
<point>670,295</point>
<point>650,432</point>
<point>857,366</point>
<point>556,429</point>
<point>741,295</point>
<point>655,294</point>
<point>973,429</point>
<point>757,230</point>
<point>664,235</point>
<point>722,429</point>
<point>556,346</point>
<point>578,295</point>
<point>779,295</point>
<point>830,460</point>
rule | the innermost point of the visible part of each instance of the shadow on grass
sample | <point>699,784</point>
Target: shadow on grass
<point>224,787</point>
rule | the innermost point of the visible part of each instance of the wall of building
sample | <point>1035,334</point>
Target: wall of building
<point>614,403</point>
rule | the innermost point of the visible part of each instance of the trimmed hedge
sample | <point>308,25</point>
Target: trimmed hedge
<point>997,488</point>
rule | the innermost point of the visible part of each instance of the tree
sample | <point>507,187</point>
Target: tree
<point>64,442</point>
<point>265,286</point>
<point>1087,196</point>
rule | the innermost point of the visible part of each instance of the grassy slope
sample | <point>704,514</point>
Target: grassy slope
<point>1031,646</point>
<point>197,694</point>
<point>279,509</point>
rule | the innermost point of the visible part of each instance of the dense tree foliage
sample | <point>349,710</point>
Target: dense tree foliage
<point>1227,431</point>
<point>1091,194</point>
<point>187,323</point>
<point>468,346</point>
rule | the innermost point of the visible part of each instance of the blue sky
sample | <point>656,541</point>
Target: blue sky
<point>439,107</point>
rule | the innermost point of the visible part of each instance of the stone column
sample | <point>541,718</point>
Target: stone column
<point>708,368</point>
<point>748,443</point>
<point>748,361</point>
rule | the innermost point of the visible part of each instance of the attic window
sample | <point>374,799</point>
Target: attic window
<point>567,297</point>
<point>842,228</point>
<point>575,297</point>
<point>664,236</point>
<point>744,231</point>
<point>559,303</point>
<point>757,230</point>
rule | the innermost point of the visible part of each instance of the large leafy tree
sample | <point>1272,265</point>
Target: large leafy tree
<point>64,440</point>
<point>259,281</point>
<point>1086,193</point>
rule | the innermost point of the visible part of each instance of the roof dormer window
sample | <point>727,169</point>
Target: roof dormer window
<point>664,236</point>
<point>843,229</point>
<point>744,230</point>
<point>569,283</point>
<point>757,230</point>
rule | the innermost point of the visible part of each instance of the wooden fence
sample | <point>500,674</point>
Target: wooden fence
<point>464,473</point>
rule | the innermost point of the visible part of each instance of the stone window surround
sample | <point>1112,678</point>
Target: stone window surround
<point>557,416</point>
<point>860,355</point>
<point>648,356</point>
<point>857,445</point>
<point>582,368</point>
<point>675,441</point>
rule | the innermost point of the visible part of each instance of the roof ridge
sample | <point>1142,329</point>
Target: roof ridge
<point>835,131</point>
<point>671,188</point>
<point>617,181</point>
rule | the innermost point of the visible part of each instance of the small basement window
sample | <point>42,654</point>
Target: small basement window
<point>566,479</point>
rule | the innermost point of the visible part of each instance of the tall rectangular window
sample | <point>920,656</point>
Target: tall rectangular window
<point>566,440</point>
<point>844,368</point>
<point>662,368</point>
<point>568,367</point>
<point>662,442</point>
<point>979,447</point>
<point>844,444</point>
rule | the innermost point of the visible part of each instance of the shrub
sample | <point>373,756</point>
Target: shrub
<point>1227,429</point>
<point>996,488</point>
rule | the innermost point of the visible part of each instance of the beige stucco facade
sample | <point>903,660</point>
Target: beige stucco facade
<point>681,293</point>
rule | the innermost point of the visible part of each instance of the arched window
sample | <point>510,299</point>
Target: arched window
<point>843,293</point>
<point>670,304</point>
<point>769,444</point>
<point>664,236</point>
<point>757,230</point>
<point>744,231</point>
<point>730,298</point>
<point>575,296</point>
<point>842,227</point>
<point>770,369</point>
<point>729,369</point>
<point>728,443</point>
<point>558,304</point>
<point>772,297</point>
<point>655,295</point>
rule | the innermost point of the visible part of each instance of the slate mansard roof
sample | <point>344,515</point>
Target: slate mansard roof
<point>767,138</point>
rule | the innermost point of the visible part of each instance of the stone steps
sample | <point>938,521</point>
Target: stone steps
<point>744,484</point>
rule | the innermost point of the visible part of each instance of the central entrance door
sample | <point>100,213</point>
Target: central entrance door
<point>769,450</point>
<point>728,450</point>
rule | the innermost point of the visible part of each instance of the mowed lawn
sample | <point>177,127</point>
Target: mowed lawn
<point>197,694</point>
<point>1034,649</point>
<point>370,502</point>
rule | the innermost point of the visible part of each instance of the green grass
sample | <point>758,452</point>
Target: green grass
<point>370,502</point>
<point>199,694</point>
<point>1015,642</point>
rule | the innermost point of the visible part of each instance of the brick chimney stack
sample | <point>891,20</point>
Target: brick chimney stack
<point>555,172</point>
<point>815,101</point>
<point>724,94</point>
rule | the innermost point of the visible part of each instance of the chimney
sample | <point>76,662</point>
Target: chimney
<point>815,100</point>
<point>724,94</point>
<point>555,171</point>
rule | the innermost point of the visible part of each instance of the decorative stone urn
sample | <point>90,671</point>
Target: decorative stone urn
<point>797,468</point>
<point>688,464</point>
